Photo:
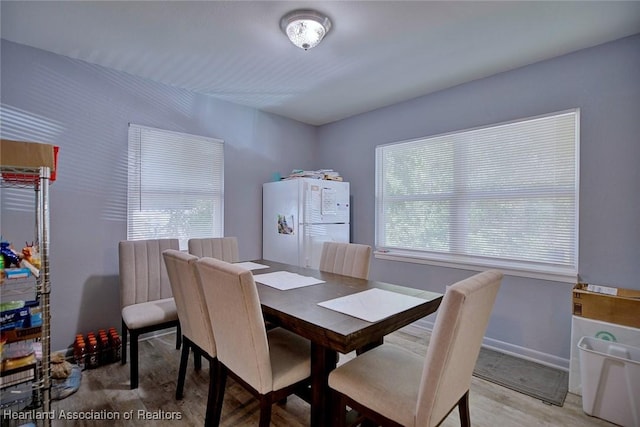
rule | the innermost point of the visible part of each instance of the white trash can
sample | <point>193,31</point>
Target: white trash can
<point>610,374</point>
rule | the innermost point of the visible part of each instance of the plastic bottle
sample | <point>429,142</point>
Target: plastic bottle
<point>116,344</point>
<point>80,352</point>
<point>93,352</point>
<point>105,348</point>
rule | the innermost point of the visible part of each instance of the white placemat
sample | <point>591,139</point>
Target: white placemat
<point>285,280</point>
<point>373,304</point>
<point>251,265</point>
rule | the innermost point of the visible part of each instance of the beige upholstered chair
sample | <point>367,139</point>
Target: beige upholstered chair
<point>146,300</point>
<point>347,259</point>
<point>197,333</point>
<point>271,365</point>
<point>224,248</point>
<point>395,387</point>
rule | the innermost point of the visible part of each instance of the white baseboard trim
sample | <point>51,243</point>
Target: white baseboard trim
<point>513,350</point>
<point>493,344</point>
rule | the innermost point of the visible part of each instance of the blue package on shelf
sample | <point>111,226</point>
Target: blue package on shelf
<point>36,319</point>
<point>21,317</point>
<point>11,319</point>
<point>17,273</point>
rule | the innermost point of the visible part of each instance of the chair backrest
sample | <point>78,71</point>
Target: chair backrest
<point>195,323</point>
<point>454,345</point>
<point>347,259</point>
<point>224,248</point>
<point>238,324</point>
<point>143,276</point>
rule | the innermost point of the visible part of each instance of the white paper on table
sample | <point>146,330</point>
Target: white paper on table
<point>285,280</point>
<point>251,265</point>
<point>373,304</point>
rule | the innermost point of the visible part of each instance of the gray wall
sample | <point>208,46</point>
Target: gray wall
<point>531,317</point>
<point>85,110</point>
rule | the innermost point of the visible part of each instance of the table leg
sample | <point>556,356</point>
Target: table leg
<point>323,361</point>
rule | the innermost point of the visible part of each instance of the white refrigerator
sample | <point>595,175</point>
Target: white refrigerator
<point>299,215</point>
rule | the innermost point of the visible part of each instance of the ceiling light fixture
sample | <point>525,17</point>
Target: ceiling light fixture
<point>305,27</point>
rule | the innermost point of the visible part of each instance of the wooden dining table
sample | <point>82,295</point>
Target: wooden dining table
<point>329,331</point>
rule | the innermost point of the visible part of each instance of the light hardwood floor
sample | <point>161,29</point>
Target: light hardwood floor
<point>105,392</point>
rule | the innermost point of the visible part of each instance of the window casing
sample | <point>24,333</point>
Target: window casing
<point>175,185</point>
<point>501,196</point>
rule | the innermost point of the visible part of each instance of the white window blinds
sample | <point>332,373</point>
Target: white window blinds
<point>175,185</point>
<point>503,196</point>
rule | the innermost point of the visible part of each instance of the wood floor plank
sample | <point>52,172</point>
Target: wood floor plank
<point>105,390</point>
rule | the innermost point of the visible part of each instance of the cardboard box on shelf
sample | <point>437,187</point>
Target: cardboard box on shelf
<point>24,154</point>
<point>613,305</point>
<point>22,334</point>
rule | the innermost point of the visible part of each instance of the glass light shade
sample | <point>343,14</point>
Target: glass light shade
<point>305,34</point>
<point>305,28</point>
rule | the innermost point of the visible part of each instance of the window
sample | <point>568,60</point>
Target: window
<point>175,185</point>
<point>502,196</point>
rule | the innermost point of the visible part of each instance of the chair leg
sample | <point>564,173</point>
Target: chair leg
<point>182,370</point>
<point>221,379</point>
<point>211,398</point>
<point>265,410</point>
<point>463,408</point>
<point>134,359</point>
<point>124,344</point>
<point>338,409</point>
<point>178,336</point>
<point>197,359</point>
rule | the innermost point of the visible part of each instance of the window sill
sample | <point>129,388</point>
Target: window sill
<point>555,274</point>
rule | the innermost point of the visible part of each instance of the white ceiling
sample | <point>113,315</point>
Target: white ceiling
<point>378,52</point>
